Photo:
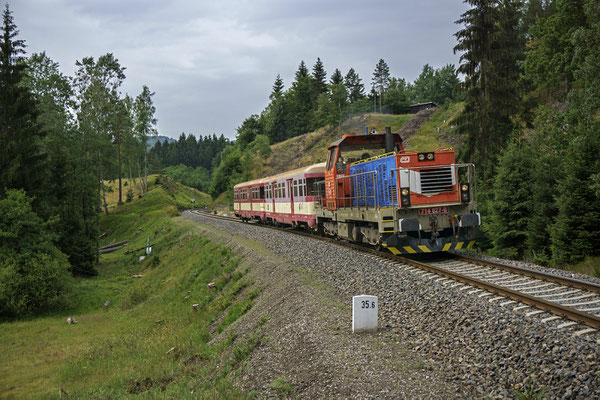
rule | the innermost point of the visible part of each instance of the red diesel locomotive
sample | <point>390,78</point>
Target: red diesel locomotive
<point>370,190</point>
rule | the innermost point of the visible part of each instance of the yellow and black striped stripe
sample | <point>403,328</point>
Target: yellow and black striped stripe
<point>424,249</point>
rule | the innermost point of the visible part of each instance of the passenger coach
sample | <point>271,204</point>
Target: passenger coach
<point>287,198</point>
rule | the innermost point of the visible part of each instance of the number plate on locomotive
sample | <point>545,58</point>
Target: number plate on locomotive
<point>433,210</point>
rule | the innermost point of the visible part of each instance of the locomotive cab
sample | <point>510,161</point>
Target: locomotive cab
<point>377,193</point>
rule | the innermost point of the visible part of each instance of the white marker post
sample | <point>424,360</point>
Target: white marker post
<point>364,313</point>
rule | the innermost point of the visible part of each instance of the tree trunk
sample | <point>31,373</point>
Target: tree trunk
<point>140,177</point>
<point>145,170</point>
<point>103,191</point>
<point>130,181</point>
<point>119,161</point>
<point>99,186</point>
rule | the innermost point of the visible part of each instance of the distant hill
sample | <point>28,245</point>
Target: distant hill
<point>153,139</point>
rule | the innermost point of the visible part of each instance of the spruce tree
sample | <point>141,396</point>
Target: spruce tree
<point>381,80</point>
<point>277,88</point>
<point>336,77</point>
<point>356,90</point>
<point>70,192</point>
<point>302,71</point>
<point>510,209</point>
<point>319,77</point>
<point>576,233</point>
<point>21,158</point>
<point>491,47</point>
<point>302,103</point>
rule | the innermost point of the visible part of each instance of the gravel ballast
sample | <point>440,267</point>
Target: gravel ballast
<point>433,341</point>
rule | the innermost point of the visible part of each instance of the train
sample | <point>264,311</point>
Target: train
<point>370,190</point>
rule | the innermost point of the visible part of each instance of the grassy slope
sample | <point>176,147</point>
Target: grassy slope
<point>428,138</point>
<point>311,147</point>
<point>125,350</point>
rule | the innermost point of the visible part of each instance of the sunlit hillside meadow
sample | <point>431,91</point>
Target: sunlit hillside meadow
<point>149,341</point>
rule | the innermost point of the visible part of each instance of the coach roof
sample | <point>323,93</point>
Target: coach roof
<point>311,169</point>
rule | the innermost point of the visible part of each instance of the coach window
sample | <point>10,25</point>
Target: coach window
<point>295,188</point>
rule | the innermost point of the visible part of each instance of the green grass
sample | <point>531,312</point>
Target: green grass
<point>428,138</point>
<point>589,266</point>
<point>381,121</point>
<point>124,351</point>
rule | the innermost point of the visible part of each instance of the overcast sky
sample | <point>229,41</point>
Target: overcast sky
<point>213,63</point>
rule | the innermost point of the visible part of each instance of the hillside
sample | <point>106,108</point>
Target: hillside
<point>149,339</point>
<point>420,132</point>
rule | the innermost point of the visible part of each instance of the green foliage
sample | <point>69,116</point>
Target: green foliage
<point>356,90</point>
<point>549,61</point>
<point>319,77</point>
<point>34,274</point>
<point>396,98</point>
<point>509,211</point>
<point>491,46</point>
<point>21,155</point>
<point>437,85</point>
<point>197,178</point>
<point>281,385</point>
<point>576,233</point>
<point>187,150</point>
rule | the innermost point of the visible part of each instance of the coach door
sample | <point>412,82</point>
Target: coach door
<point>290,186</point>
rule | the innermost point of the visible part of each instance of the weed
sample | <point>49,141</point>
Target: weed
<point>281,385</point>
<point>531,391</point>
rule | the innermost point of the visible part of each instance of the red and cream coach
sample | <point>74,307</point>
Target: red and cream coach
<point>286,198</point>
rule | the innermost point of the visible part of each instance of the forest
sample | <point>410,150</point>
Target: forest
<point>528,80</point>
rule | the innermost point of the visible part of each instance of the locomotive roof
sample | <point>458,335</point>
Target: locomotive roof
<point>311,169</point>
<point>359,142</point>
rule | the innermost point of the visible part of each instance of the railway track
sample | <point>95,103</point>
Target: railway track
<point>524,290</point>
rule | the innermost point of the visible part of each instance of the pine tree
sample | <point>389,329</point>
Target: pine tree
<point>491,47</point>
<point>336,77</point>
<point>319,77</point>
<point>381,80</point>
<point>21,158</point>
<point>550,58</point>
<point>576,233</point>
<point>277,88</point>
<point>356,90</point>
<point>302,103</point>
<point>145,123</point>
<point>510,209</point>
<point>302,71</point>
<point>70,193</point>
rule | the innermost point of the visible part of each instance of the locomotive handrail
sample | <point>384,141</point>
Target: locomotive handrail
<point>374,197</point>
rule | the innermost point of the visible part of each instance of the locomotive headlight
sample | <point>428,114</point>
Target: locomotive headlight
<point>421,157</point>
<point>464,187</point>
<point>404,192</point>
<point>430,156</point>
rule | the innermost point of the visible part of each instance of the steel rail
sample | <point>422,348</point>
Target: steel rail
<point>567,312</point>
<point>557,309</point>
<point>576,283</point>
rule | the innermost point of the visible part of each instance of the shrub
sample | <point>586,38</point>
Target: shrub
<point>34,274</point>
<point>36,283</point>
<point>129,195</point>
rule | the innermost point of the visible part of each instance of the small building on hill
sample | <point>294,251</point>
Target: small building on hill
<point>415,108</point>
